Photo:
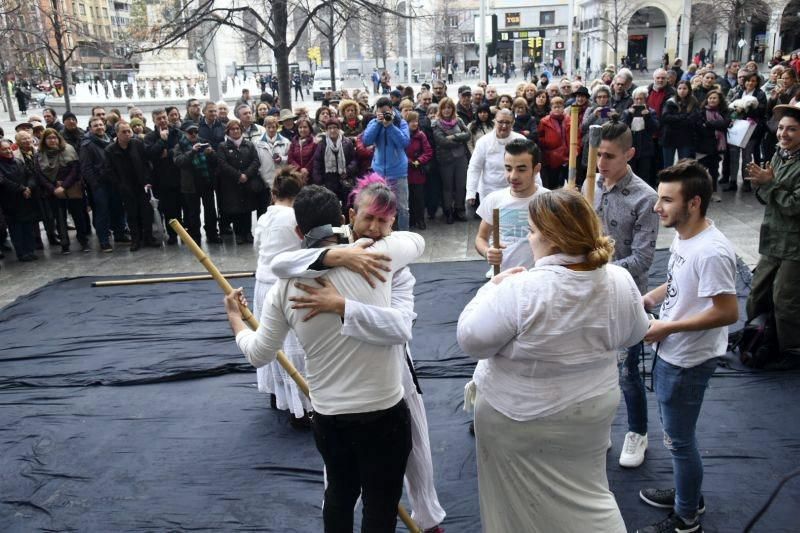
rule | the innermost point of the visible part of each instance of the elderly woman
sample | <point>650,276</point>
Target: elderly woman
<point>223,111</point>
<point>335,164</point>
<point>450,143</point>
<point>643,122</point>
<point>302,148</point>
<point>239,179</point>
<point>597,114</point>
<point>352,121</point>
<point>273,152</point>
<point>17,190</point>
<point>546,391</point>
<point>58,172</point>
<point>321,118</point>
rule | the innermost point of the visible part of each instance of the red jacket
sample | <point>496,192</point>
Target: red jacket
<point>302,157</point>
<point>364,155</point>
<point>419,149</point>
<point>554,141</point>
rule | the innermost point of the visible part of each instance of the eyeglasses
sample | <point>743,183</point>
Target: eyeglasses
<point>504,122</point>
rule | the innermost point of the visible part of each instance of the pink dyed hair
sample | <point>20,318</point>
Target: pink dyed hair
<point>374,189</point>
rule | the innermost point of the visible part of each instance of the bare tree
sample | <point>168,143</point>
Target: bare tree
<point>265,22</point>
<point>332,23</point>
<point>447,23</point>
<point>614,17</point>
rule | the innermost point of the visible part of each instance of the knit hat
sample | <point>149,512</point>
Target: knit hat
<point>136,122</point>
<point>67,115</point>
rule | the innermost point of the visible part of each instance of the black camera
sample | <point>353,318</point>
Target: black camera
<point>388,116</point>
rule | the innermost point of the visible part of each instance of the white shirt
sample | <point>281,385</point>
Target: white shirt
<point>487,168</point>
<point>345,375</point>
<point>699,268</point>
<point>266,148</point>
<point>513,225</point>
<point>274,234</point>
<point>375,325</point>
<point>548,338</point>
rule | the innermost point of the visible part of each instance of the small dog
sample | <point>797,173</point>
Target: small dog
<point>744,104</point>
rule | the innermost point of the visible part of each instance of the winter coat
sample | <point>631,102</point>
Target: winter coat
<point>390,142</point>
<point>128,170</point>
<point>93,160</point>
<point>266,150</point>
<point>466,114</point>
<point>554,143</point>
<point>448,150</point>
<point>232,162</point>
<point>478,130</point>
<point>364,155</point>
<point>74,138</point>
<point>302,156</point>
<point>781,225</point>
<point>166,175</point>
<point>193,180</point>
<point>678,125</point>
<point>589,120</point>
<point>331,180</point>
<point>215,133</point>
<point>14,177</point>
<point>68,174</point>
<point>419,149</point>
<point>620,103</point>
<point>526,123</point>
<point>705,134</point>
<point>643,140</point>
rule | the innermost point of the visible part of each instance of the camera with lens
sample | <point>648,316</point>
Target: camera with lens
<point>387,116</point>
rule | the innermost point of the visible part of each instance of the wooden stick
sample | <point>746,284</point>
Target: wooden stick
<point>147,281</point>
<point>251,320</point>
<point>591,168</point>
<point>496,234</point>
<point>574,126</point>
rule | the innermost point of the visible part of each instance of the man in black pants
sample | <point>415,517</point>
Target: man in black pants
<point>159,144</point>
<point>130,175</point>
<point>361,422</point>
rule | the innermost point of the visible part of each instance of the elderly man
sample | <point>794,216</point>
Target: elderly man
<point>250,130</point>
<point>464,107</point>
<point>658,93</point>
<point>477,97</point>
<point>439,90</point>
<point>620,97</point>
<point>211,128</point>
<point>487,171</point>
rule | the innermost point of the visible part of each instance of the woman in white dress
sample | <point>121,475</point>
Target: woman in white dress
<point>275,233</point>
<point>547,382</point>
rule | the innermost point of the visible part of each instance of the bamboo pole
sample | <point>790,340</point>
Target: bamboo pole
<point>574,126</point>
<point>251,320</point>
<point>591,168</point>
<point>496,234</point>
<point>169,279</point>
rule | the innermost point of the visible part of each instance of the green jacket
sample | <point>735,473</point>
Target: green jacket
<point>780,230</point>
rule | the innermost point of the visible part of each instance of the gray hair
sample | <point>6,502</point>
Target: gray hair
<point>639,91</point>
<point>504,111</point>
<point>601,88</point>
<point>626,73</point>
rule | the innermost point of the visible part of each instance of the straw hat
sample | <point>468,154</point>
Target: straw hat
<point>780,111</point>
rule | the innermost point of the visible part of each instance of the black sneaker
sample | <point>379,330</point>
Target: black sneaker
<point>106,248</point>
<point>673,524</point>
<point>665,499</point>
<point>124,238</point>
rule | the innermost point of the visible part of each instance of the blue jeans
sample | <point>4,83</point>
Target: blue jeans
<point>632,385</point>
<point>107,213</point>
<point>680,392</point>
<point>400,188</point>
<point>669,154</point>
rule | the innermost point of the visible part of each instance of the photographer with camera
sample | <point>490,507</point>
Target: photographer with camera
<point>388,132</point>
<point>643,122</point>
<point>196,158</point>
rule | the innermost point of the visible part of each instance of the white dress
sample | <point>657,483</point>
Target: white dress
<point>274,234</point>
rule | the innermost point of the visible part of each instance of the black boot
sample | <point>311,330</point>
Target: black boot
<point>448,215</point>
<point>461,216</point>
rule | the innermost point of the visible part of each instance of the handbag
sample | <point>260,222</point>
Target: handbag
<point>740,132</point>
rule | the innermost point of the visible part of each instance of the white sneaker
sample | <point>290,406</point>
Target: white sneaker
<point>633,450</point>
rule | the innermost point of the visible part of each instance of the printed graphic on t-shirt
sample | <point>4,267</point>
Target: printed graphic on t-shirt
<point>676,262</point>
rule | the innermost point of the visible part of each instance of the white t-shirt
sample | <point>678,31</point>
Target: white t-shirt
<point>345,375</point>
<point>699,268</point>
<point>274,233</point>
<point>513,225</point>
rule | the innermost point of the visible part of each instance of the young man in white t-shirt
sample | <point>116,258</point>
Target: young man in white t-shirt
<point>698,302</point>
<point>522,164</point>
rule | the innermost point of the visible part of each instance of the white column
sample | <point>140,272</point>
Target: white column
<point>773,34</point>
<point>408,41</point>
<point>570,60</point>
<point>482,42</point>
<point>686,21</point>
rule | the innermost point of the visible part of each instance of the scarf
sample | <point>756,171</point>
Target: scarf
<point>334,156</point>
<point>199,161</point>
<point>236,142</point>
<point>51,161</point>
<point>787,156</point>
<point>449,124</point>
<point>720,136</point>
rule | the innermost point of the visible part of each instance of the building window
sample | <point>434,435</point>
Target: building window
<point>452,21</point>
<point>547,18</point>
<point>83,9</point>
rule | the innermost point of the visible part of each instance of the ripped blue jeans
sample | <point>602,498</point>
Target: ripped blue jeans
<point>680,393</point>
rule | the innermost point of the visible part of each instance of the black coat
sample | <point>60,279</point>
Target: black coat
<point>643,140</point>
<point>232,162</point>
<point>706,142</point>
<point>128,169</point>
<point>73,138</point>
<point>93,160</point>
<point>14,177</point>
<point>677,125</point>
<point>192,179</point>
<point>166,174</point>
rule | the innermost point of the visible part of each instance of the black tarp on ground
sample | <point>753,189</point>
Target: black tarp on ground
<point>130,409</point>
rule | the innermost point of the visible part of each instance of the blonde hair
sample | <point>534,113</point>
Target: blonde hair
<point>271,120</point>
<point>566,219</point>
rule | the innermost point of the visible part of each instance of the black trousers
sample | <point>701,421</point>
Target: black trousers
<point>139,213</point>
<point>77,210</point>
<point>416,203</point>
<point>169,203</point>
<point>191,212</point>
<point>711,162</point>
<point>365,454</point>
<point>553,178</point>
<point>242,223</point>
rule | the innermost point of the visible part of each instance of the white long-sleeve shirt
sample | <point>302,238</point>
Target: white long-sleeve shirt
<point>345,375</point>
<point>383,326</point>
<point>487,171</point>
<point>548,338</point>
<point>274,234</point>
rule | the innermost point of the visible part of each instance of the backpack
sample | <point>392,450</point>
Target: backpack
<point>756,342</point>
